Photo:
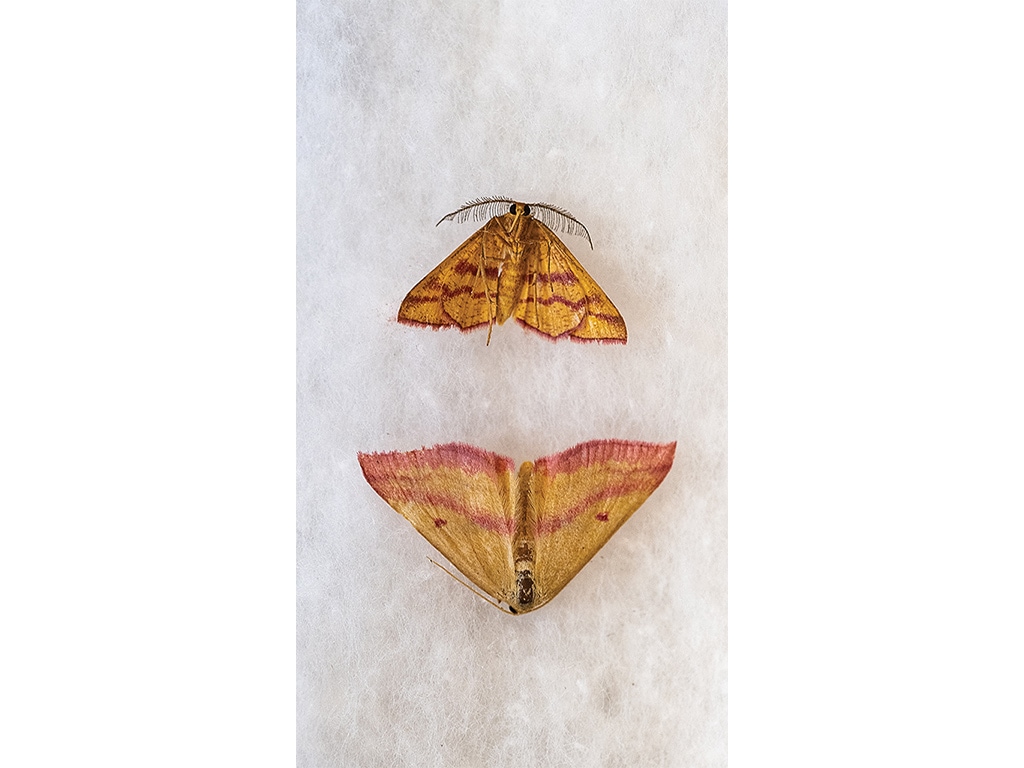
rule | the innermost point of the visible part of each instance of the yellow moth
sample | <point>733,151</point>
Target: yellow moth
<point>519,537</point>
<point>515,265</point>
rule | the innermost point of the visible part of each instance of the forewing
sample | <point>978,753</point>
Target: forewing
<point>582,496</point>
<point>460,291</point>
<point>459,498</point>
<point>560,297</point>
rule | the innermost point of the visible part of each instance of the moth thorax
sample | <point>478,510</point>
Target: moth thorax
<point>524,587</point>
<point>524,572</point>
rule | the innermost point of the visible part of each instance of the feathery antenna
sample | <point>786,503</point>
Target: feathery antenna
<point>555,218</point>
<point>486,598</point>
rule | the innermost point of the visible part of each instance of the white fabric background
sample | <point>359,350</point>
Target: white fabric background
<point>616,112</point>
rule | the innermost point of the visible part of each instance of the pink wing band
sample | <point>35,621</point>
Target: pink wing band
<point>444,504</point>
<point>644,466</point>
<point>551,524</point>
<point>401,478</point>
<point>450,455</point>
<point>639,454</point>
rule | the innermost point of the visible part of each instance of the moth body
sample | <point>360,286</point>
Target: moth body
<point>526,531</point>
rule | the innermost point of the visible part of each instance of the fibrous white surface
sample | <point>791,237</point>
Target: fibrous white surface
<point>615,111</point>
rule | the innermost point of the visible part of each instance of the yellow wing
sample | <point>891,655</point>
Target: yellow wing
<point>582,496</point>
<point>559,297</point>
<point>462,289</point>
<point>459,498</point>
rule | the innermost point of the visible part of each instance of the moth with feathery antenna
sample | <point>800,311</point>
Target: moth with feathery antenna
<point>515,265</point>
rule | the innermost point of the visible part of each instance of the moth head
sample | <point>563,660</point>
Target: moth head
<point>520,208</point>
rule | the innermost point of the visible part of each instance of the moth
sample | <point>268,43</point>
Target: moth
<point>515,265</point>
<point>519,537</point>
